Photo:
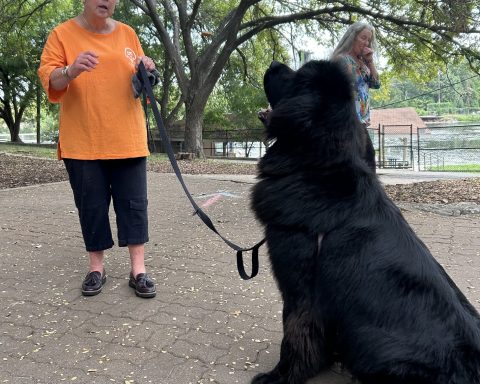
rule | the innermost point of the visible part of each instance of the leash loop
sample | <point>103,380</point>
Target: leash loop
<point>147,89</point>
<point>255,264</point>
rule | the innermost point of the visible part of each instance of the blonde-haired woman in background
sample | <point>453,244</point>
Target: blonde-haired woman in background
<point>355,53</point>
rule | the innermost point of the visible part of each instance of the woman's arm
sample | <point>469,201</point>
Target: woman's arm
<point>60,78</point>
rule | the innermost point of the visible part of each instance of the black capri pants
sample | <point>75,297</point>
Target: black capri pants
<point>95,183</point>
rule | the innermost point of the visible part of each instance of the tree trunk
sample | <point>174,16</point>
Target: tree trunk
<point>38,101</point>
<point>193,129</point>
<point>15,132</point>
<point>12,124</point>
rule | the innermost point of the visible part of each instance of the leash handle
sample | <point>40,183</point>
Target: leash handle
<point>255,264</point>
<point>147,89</point>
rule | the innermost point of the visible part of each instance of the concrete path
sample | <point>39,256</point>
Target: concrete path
<point>206,325</point>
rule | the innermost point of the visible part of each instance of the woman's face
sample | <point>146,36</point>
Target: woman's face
<point>362,41</point>
<point>100,8</point>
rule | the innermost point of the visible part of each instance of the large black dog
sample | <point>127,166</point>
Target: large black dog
<point>358,285</point>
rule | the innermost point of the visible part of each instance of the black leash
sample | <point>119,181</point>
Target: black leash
<point>147,89</point>
<point>151,142</point>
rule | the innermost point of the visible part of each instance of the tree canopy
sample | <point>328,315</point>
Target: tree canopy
<point>213,53</point>
<point>24,28</point>
<point>200,36</point>
<point>453,90</point>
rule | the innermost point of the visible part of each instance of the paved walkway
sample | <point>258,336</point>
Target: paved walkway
<point>206,325</point>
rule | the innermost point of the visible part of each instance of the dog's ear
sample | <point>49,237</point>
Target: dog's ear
<point>276,82</point>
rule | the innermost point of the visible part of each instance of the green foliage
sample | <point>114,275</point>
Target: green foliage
<point>239,94</point>
<point>216,112</point>
<point>22,37</point>
<point>49,130</point>
<point>436,35</point>
<point>417,39</point>
<point>454,90</point>
<point>474,118</point>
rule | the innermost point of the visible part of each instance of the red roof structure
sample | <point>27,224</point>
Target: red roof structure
<point>396,120</point>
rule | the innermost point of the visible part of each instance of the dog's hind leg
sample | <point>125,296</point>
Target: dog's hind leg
<point>303,351</point>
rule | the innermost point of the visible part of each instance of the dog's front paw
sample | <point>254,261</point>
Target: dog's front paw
<point>269,378</point>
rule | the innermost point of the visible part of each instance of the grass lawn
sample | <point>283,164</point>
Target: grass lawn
<point>48,152</point>
<point>29,150</point>
<point>456,168</point>
<point>51,152</point>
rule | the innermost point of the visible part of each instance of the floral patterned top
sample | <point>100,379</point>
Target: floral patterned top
<point>362,81</point>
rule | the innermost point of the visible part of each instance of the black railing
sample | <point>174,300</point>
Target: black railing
<point>444,148</point>
<point>449,148</point>
<point>436,148</point>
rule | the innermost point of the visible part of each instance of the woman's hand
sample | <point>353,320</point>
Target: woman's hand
<point>85,61</point>
<point>367,55</point>
<point>147,62</point>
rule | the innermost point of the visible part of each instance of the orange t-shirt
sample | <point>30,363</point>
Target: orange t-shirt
<point>99,116</point>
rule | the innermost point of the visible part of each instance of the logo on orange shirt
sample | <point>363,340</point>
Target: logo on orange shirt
<point>130,55</point>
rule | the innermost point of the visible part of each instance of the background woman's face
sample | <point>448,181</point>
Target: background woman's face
<point>362,40</point>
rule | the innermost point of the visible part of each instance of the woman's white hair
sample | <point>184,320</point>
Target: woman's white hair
<point>345,44</point>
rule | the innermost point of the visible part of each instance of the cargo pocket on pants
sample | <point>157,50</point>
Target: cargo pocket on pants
<point>138,212</point>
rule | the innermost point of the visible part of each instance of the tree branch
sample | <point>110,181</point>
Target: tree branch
<point>193,15</point>
<point>172,52</point>
<point>186,29</point>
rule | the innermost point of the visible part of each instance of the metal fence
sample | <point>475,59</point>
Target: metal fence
<point>449,148</point>
<point>436,148</point>
<point>220,143</point>
<point>394,145</point>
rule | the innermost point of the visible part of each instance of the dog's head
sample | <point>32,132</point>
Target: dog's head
<point>276,82</point>
<point>319,78</point>
<point>311,105</point>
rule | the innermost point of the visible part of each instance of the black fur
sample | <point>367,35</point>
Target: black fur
<point>358,285</point>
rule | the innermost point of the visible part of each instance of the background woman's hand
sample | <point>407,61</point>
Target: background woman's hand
<point>147,62</point>
<point>367,54</point>
<point>85,61</point>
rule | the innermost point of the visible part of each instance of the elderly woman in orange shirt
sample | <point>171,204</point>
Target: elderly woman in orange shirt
<point>87,66</point>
